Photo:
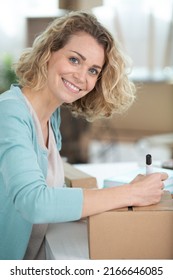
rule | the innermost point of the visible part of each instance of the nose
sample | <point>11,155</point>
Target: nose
<point>80,75</point>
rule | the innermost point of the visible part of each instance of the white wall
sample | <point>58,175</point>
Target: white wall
<point>145,36</point>
<point>13,24</point>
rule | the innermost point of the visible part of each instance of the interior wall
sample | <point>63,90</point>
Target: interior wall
<point>79,4</point>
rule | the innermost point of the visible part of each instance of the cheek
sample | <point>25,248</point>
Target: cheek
<point>56,67</point>
<point>91,84</point>
<point>54,74</point>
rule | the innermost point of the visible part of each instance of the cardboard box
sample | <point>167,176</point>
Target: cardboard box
<point>133,233</point>
<point>75,178</point>
<point>127,177</point>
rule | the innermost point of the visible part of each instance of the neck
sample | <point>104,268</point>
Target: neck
<point>41,104</point>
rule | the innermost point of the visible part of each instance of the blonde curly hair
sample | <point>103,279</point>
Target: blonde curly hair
<point>113,92</point>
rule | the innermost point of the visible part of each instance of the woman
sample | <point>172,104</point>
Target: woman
<point>74,62</point>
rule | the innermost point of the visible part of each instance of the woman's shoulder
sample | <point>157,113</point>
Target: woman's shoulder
<point>13,93</point>
<point>12,101</point>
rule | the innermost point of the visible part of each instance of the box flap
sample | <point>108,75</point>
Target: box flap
<point>76,178</point>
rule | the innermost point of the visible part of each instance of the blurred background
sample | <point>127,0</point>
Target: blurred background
<point>145,30</point>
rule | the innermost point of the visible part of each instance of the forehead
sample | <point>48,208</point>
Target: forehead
<point>86,45</point>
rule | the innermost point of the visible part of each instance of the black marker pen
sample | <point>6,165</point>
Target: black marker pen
<point>149,169</point>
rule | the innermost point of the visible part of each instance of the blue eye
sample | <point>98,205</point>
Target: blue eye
<point>94,71</point>
<point>74,60</point>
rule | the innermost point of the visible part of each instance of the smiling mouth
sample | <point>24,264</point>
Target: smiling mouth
<point>70,86</point>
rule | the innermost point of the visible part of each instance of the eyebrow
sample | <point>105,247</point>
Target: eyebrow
<point>84,58</point>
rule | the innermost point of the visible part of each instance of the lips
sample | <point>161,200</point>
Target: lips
<point>71,86</point>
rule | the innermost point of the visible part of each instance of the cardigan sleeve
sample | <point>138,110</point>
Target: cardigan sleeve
<point>23,180</point>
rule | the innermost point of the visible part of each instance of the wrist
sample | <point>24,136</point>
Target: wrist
<point>130,192</point>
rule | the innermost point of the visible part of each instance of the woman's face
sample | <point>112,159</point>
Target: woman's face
<point>73,70</point>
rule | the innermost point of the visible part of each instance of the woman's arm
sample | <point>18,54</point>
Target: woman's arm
<point>142,191</point>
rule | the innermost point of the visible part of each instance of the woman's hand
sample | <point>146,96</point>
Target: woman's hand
<point>147,189</point>
<point>142,191</point>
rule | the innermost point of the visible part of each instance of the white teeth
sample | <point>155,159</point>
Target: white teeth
<point>71,86</point>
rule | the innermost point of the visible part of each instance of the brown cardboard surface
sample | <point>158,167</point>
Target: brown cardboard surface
<point>78,179</point>
<point>140,234</point>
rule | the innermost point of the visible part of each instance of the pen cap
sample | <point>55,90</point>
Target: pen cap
<point>148,159</point>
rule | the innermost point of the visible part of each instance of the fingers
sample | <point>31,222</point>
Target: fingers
<point>162,186</point>
<point>157,177</point>
<point>164,176</point>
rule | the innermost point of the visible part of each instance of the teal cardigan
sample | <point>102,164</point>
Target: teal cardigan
<point>25,199</point>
